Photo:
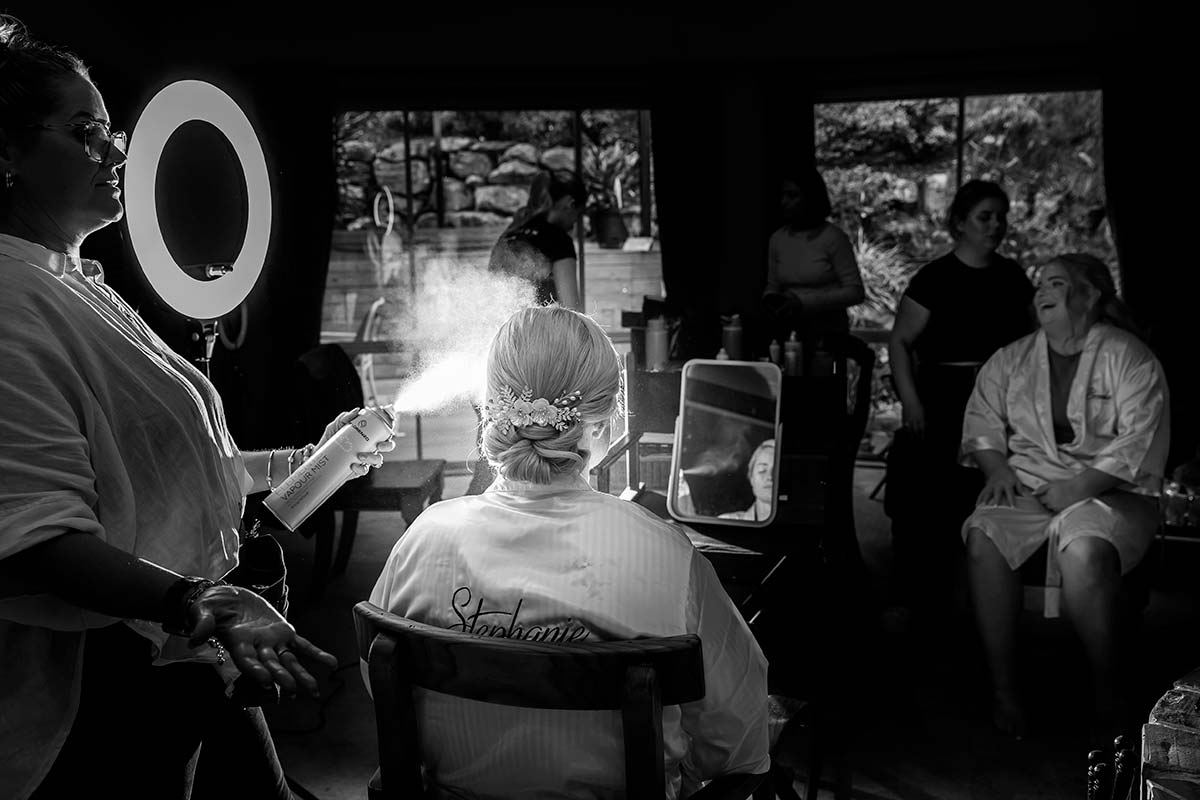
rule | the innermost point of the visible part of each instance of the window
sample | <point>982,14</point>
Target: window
<point>422,198</point>
<point>893,166</point>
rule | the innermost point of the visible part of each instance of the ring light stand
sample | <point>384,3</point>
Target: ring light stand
<point>201,292</point>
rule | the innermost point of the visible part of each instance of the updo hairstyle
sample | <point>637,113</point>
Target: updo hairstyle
<point>553,351</point>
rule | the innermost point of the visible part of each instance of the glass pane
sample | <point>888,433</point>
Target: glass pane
<point>622,259</point>
<point>1046,151</point>
<point>891,168</point>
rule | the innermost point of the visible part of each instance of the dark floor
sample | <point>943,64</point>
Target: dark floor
<point>917,708</point>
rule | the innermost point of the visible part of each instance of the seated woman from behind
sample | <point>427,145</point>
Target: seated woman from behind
<point>1070,426</point>
<point>541,556</point>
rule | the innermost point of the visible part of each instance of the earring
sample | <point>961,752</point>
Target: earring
<point>8,179</point>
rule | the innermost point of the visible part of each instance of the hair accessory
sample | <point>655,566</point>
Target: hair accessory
<point>511,411</point>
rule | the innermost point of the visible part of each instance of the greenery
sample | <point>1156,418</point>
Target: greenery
<point>609,146</point>
<point>891,169</point>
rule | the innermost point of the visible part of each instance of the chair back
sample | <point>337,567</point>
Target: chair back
<point>634,677</point>
<point>367,331</point>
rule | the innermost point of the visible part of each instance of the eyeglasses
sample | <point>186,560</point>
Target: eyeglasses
<point>98,141</point>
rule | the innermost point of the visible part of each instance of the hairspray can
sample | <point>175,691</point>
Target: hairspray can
<point>303,492</point>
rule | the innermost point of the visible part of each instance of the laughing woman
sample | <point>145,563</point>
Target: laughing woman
<point>1070,427</point>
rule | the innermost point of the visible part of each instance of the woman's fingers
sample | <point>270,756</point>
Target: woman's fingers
<point>270,658</point>
<point>387,446</point>
<point>302,675</point>
<point>371,459</point>
<point>313,653</point>
<point>246,658</point>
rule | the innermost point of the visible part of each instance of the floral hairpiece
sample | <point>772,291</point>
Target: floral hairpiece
<point>511,411</point>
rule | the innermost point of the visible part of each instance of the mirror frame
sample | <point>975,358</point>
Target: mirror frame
<point>677,450</point>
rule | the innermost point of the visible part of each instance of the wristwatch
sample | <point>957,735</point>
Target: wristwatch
<point>178,602</point>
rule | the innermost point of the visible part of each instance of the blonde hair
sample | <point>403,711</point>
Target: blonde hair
<point>1094,272</point>
<point>553,351</point>
<point>763,446</point>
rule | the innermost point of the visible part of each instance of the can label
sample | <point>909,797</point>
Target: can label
<point>314,481</point>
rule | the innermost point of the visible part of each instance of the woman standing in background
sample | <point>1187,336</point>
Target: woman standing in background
<point>956,312</point>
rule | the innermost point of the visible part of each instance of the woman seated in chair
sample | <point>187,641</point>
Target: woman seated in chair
<point>542,556</point>
<point>1070,427</point>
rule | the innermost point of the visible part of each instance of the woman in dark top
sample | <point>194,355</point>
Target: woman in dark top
<point>957,311</point>
<point>540,248</point>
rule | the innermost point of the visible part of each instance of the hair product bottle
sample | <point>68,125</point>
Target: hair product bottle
<point>656,345</point>
<point>791,355</point>
<point>731,338</point>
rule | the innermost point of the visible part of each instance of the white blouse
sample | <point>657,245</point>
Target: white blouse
<point>103,430</point>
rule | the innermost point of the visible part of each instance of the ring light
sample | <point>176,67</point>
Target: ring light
<point>175,105</point>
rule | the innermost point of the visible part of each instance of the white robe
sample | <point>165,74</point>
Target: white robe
<point>566,563</point>
<point>1117,406</point>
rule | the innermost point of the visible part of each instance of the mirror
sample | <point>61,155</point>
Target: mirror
<point>725,463</point>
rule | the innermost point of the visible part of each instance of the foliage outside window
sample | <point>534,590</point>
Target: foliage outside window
<point>484,149</point>
<point>892,169</point>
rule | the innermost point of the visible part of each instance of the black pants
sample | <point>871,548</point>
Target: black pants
<point>143,731</point>
<point>929,495</point>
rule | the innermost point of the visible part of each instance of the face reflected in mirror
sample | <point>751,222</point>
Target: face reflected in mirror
<point>762,471</point>
<point>724,461</point>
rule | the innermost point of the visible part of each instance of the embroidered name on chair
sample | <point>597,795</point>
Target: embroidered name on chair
<point>499,627</point>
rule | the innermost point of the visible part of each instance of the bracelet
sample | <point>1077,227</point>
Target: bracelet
<point>179,600</point>
<point>291,459</point>
<point>270,458</point>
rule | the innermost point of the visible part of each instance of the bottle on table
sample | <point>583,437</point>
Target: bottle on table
<point>657,351</point>
<point>731,338</point>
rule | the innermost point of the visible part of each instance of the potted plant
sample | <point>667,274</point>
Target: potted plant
<point>609,171</point>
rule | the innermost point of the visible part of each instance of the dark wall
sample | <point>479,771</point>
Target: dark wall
<point>731,100</point>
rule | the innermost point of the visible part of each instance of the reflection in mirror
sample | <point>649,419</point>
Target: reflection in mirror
<point>725,464</point>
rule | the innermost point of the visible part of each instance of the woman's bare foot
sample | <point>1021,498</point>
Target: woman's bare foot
<point>1008,715</point>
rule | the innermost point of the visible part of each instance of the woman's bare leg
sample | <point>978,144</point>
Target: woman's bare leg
<point>996,597</point>
<point>1091,572</point>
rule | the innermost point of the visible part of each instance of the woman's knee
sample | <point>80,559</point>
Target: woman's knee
<point>980,548</point>
<point>1090,561</point>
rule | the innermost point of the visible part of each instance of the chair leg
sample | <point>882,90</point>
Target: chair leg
<point>812,783</point>
<point>345,541</point>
